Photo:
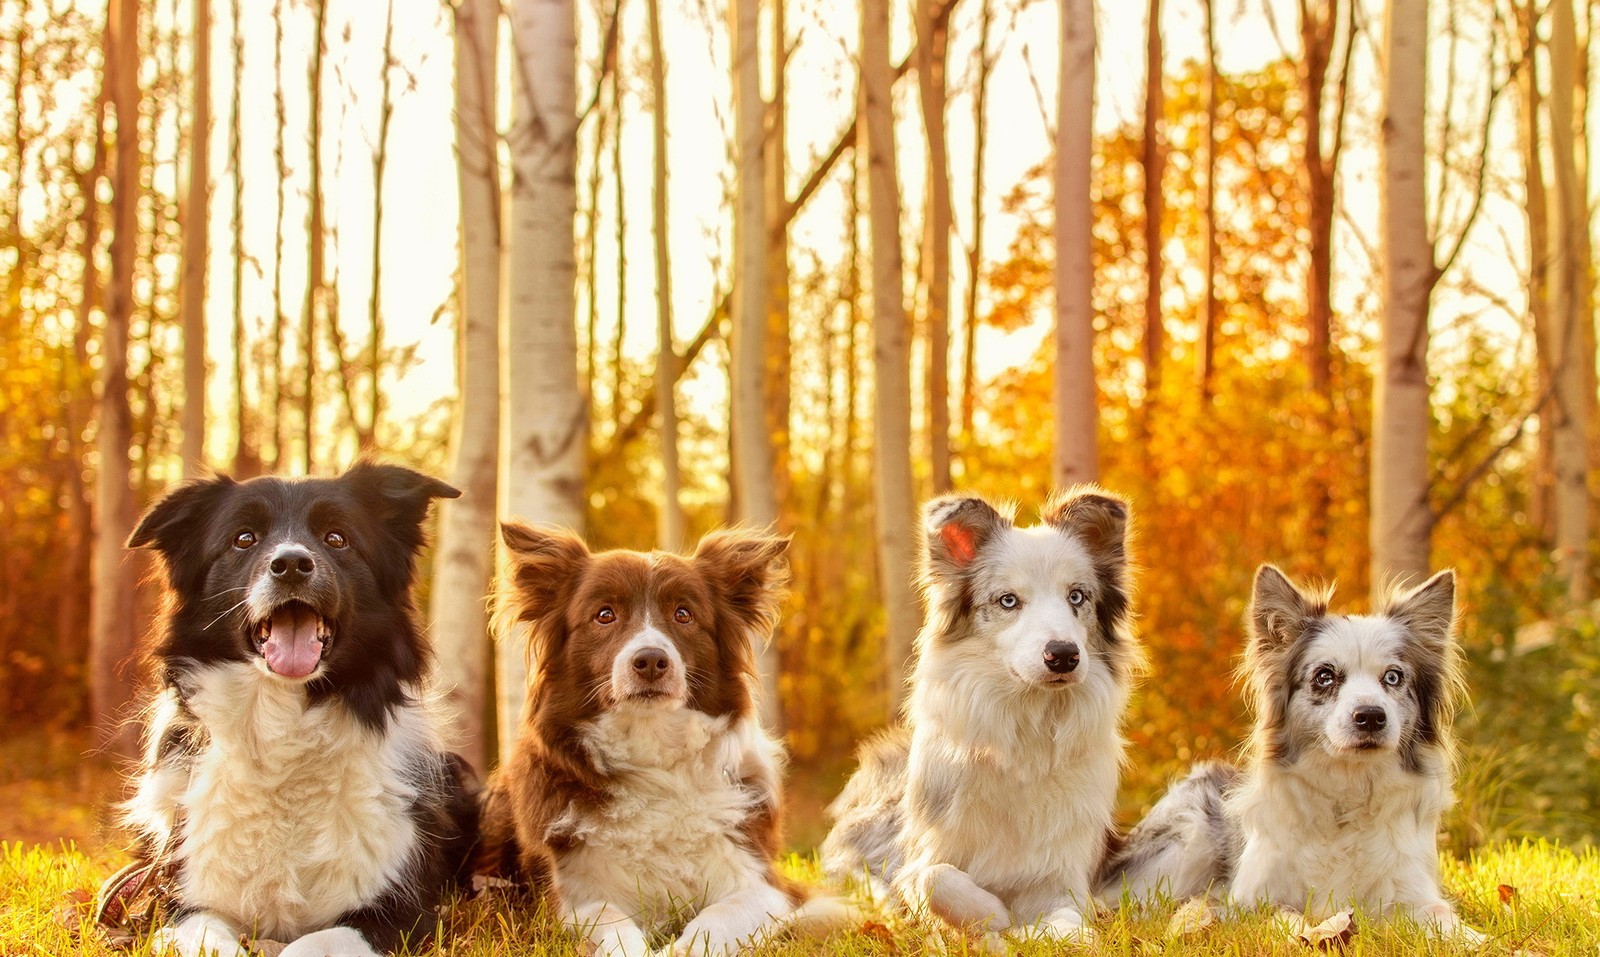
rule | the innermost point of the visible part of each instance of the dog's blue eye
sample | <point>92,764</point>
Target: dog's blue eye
<point>1008,600</point>
<point>1077,597</point>
<point>1393,677</point>
<point>244,539</point>
<point>1323,678</point>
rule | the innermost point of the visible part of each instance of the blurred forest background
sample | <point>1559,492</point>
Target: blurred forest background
<point>1310,281</point>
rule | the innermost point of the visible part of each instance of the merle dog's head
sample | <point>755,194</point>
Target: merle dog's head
<point>308,580</point>
<point>1352,688</point>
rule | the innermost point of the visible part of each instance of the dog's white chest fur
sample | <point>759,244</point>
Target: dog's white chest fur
<point>669,836</point>
<point>1322,840</point>
<point>292,816</point>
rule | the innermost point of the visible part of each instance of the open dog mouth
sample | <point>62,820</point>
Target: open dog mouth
<point>293,639</point>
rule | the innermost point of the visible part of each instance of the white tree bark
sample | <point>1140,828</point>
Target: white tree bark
<point>753,495</point>
<point>464,560</point>
<point>544,422</point>
<point>1077,453</point>
<point>1401,521</point>
<point>196,226</point>
<point>1567,218</point>
<point>891,472</point>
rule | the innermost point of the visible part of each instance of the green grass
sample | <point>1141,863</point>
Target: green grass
<point>1553,910</point>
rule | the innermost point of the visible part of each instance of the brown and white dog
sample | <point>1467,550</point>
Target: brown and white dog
<point>643,788</point>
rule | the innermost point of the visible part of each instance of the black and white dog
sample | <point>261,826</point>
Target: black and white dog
<point>1349,770</point>
<point>991,808</point>
<point>294,785</point>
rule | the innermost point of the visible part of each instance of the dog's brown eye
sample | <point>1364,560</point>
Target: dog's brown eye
<point>682,616</point>
<point>336,540</point>
<point>605,616</point>
<point>1323,678</point>
<point>244,539</point>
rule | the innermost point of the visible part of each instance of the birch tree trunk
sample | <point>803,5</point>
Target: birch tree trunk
<point>246,456</point>
<point>196,226</point>
<point>1208,325</point>
<point>464,564</point>
<point>670,525</point>
<point>932,37</point>
<point>112,628</point>
<point>544,423</point>
<point>894,510</point>
<point>1540,500</point>
<point>1077,455</point>
<point>315,280</point>
<point>753,464</point>
<point>1154,207</point>
<point>775,182</point>
<point>1567,217</point>
<point>1401,521</point>
<point>980,136</point>
<point>368,435</point>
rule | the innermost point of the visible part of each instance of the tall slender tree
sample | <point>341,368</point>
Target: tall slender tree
<point>1153,161</point>
<point>544,421</point>
<point>196,226</point>
<point>891,455</point>
<point>464,568</point>
<point>753,491</point>
<point>246,457</point>
<point>1208,322</point>
<point>315,307</point>
<point>1401,520</point>
<point>1570,343</point>
<point>932,43</point>
<point>980,134</point>
<point>670,526</point>
<point>368,434</point>
<point>1077,455</point>
<point>115,576</point>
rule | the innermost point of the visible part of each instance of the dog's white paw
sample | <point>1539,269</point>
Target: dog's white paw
<point>333,942</point>
<point>1440,921</point>
<point>1065,925</point>
<point>199,935</point>
<point>955,897</point>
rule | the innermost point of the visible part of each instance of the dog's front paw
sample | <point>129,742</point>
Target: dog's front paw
<point>957,899</point>
<point>1065,925</point>
<point>333,942</point>
<point>1440,921</point>
<point>198,935</point>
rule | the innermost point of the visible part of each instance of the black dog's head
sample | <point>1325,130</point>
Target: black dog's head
<point>307,579</point>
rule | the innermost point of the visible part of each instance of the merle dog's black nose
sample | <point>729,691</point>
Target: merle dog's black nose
<point>1061,657</point>
<point>1370,718</point>
<point>651,664</point>
<point>293,564</point>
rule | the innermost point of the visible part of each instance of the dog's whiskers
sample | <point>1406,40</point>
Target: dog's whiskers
<point>225,614</point>
<point>225,591</point>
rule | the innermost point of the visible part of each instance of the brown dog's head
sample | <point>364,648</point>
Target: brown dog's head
<point>641,629</point>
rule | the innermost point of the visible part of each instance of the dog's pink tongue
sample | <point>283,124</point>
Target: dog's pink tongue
<point>293,649</point>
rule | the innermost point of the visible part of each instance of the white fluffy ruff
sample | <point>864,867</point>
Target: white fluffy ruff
<point>1026,778</point>
<point>292,815</point>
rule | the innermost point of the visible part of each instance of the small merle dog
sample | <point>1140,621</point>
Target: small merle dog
<point>294,786</point>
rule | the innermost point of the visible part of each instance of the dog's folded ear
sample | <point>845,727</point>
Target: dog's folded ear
<point>1095,517</point>
<point>1279,610</point>
<point>398,493</point>
<point>748,569</point>
<point>956,528</point>
<point>544,563</point>
<point>178,517</point>
<point>1428,610</point>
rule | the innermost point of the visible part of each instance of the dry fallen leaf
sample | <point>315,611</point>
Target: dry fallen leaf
<point>1193,917</point>
<point>73,908</point>
<point>877,930</point>
<point>1507,893</point>
<point>1336,931</point>
<point>268,948</point>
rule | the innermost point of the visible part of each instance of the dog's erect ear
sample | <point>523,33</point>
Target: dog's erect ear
<point>957,527</point>
<point>1279,610</point>
<point>180,515</point>
<point>1095,517</point>
<point>748,570</point>
<point>544,563</point>
<point>400,494</point>
<point>1428,610</point>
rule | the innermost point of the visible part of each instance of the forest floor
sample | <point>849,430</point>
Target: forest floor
<point>56,849</point>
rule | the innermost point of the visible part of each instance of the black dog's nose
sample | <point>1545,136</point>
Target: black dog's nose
<point>293,564</point>
<point>651,664</point>
<point>1061,657</point>
<point>1370,718</point>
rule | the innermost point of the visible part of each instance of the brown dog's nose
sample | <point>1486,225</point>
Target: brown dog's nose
<point>1370,719</point>
<point>651,664</point>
